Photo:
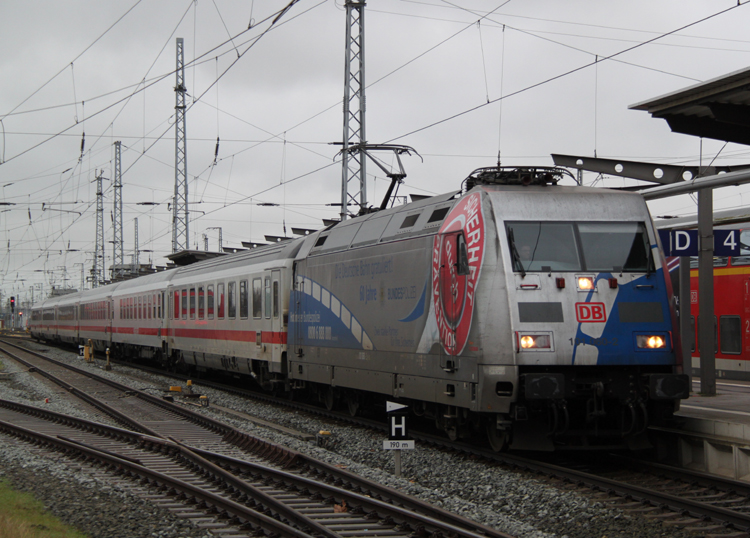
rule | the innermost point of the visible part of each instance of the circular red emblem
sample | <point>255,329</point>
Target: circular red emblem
<point>457,254</point>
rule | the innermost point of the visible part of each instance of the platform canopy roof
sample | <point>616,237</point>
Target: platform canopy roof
<point>718,108</point>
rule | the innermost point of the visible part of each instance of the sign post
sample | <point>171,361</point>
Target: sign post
<point>398,438</point>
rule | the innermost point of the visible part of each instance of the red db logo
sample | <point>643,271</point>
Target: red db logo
<point>591,313</point>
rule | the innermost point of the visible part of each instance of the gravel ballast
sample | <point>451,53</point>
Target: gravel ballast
<point>509,501</point>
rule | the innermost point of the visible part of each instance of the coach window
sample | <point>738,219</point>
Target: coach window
<point>243,299</point>
<point>201,303</point>
<point>176,305</point>
<point>210,301</point>
<point>220,293</point>
<point>150,305</point>
<point>231,304</point>
<point>192,303</point>
<point>184,304</point>
<point>267,297</point>
<point>140,307</point>
<point>276,299</point>
<point>257,298</point>
<point>730,331</point>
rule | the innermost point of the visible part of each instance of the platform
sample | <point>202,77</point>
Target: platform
<point>714,434</point>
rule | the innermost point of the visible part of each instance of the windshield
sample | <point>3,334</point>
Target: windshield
<point>544,246</point>
<point>583,246</point>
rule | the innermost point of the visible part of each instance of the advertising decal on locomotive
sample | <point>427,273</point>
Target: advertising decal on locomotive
<point>457,257</point>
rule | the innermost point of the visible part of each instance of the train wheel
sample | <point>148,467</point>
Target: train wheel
<point>452,431</point>
<point>352,404</point>
<point>498,438</point>
<point>328,398</point>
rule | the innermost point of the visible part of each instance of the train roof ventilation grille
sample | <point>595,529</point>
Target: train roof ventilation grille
<point>515,175</point>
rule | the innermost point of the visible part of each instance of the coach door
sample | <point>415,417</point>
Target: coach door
<point>108,321</point>
<point>272,292</point>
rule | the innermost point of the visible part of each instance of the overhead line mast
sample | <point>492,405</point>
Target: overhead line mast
<point>353,179</point>
<point>98,270</point>
<point>118,257</point>
<point>180,231</point>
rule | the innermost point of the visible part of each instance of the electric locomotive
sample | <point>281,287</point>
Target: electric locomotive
<point>534,313</point>
<point>537,312</point>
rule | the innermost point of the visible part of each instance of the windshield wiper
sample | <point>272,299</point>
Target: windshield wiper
<point>514,253</point>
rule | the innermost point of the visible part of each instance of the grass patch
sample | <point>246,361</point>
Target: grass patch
<point>22,516</point>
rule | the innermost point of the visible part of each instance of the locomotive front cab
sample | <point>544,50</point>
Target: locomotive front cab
<point>591,325</point>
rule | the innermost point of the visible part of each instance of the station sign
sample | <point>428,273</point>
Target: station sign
<point>397,422</point>
<point>679,242</point>
<point>727,242</point>
<point>685,242</point>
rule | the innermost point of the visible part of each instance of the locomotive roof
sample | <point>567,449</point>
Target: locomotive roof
<point>566,203</point>
<point>422,217</point>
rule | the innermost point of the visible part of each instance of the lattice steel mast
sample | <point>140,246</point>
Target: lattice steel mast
<point>180,230</point>
<point>118,256</point>
<point>136,252</point>
<point>353,179</point>
<point>97,272</point>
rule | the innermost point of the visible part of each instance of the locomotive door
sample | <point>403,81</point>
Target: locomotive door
<point>452,292</point>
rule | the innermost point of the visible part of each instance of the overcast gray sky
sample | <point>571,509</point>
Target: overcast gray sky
<point>520,76</point>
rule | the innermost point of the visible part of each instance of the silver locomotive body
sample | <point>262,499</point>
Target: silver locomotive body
<point>433,303</point>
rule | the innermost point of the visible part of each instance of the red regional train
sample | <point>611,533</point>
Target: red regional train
<point>731,299</point>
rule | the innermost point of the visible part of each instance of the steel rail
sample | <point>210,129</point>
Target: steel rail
<point>696,509</point>
<point>235,510</point>
<point>231,435</point>
<point>431,519</point>
<point>291,458</point>
<point>402,509</point>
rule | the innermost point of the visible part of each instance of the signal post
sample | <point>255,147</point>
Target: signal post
<point>398,437</point>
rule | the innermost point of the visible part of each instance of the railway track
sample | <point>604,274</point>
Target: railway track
<point>709,505</point>
<point>702,503</point>
<point>296,496</point>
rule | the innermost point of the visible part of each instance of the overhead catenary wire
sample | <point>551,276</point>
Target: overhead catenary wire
<point>564,74</point>
<point>287,141</point>
<point>74,59</point>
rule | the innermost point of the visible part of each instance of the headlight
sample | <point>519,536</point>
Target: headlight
<point>651,341</point>
<point>585,283</point>
<point>531,342</point>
